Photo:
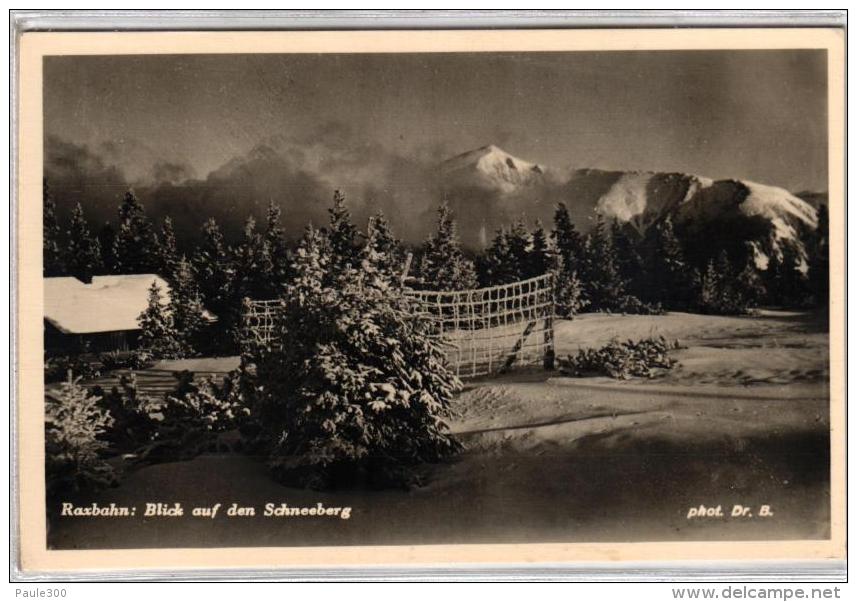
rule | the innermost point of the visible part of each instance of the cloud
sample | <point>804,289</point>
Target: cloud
<point>141,164</point>
<point>76,174</point>
<point>171,172</point>
<point>300,173</point>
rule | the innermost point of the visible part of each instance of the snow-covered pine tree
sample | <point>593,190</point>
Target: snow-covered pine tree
<point>718,291</point>
<point>186,309</point>
<point>342,234</point>
<point>568,292</point>
<point>168,254</point>
<point>158,336</point>
<point>749,282</point>
<point>253,265</point>
<point>75,425</point>
<point>569,247</point>
<point>626,243</point>
<point>312,265</point>
<point>83,254</point>
<point>518,241</point>
<point>53,261</point>
<point>567,240</point>
<point>135,247</point>
<point>668,275</point>
<point>541,257</point>
<point>499,265</point>
<point>709,290</point>
<point>215,274</point>
<point>382,248</point>
<point>277,248</point>
<point>725,269</point>
<point>361,392</point>
<point>599,270</point>
<point>443,265</point>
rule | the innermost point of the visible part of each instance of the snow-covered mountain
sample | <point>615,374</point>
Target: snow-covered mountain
<point>492,167</point>
<point>488,187</point>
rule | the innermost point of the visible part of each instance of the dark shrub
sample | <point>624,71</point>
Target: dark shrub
<point>123,360</point>
<point>183,424</point>
<point>646,358</point>
<point>58,368</point>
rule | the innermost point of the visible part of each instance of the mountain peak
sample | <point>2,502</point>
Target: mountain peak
<point>492,167</point>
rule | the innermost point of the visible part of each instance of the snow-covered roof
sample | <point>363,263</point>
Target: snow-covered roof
<point>108,303</point>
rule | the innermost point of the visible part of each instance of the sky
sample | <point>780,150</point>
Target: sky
<point>757,115</point>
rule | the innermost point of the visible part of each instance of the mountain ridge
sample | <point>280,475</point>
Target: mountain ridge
<point>487,187</point>
<point>697,204</point>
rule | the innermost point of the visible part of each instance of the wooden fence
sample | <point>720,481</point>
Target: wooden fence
<point>489,330</point>
<point>486,330</point>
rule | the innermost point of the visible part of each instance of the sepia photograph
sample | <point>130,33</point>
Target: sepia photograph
<point>344,298</point>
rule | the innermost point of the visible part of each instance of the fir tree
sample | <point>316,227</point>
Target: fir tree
<point>629,260</point>
<point>360,392</point>
<point>570,257</point>
<point>667,271</point>
<point>749,283</point>
<point>83,252</point>
<point>540,258</point>
<point>277,249</point>
<point>718,293</point>
<point>508,257</point>
<point>773,278</point>
<point>725,270</point>
<point>213,267</point>
<point>76,426</point>
<point>168,255</point>
<point>518,242</point>
<point>158,337</point>
<point>53,263</point>
<point>708,300</point>
<point>186,309</point>
<point>253,265</point>
<point>135,247</point>
<point>106,240</point>
<point>785,283</point>
<point>382,248</point>
<point>569,296</point>
<point>442,264</point>
<point>499,266</point>
<point>214,272</point>
<point>599,271</point>
<point>567,240</point>
<point>312,265</point>
<point>342,233</point>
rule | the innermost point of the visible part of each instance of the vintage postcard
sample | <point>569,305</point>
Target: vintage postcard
<point>385,298</point>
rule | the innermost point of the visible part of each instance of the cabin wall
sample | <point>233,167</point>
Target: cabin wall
<point>58,343</point>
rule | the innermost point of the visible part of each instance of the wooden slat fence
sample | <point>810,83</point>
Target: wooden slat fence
<point>486,330</point>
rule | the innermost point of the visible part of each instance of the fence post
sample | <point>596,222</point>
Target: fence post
<point>245,327</point>
<point>550,354</point>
